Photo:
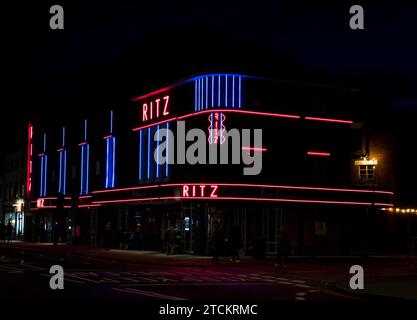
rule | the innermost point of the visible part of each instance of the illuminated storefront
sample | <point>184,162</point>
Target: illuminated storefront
<point>304,182</point>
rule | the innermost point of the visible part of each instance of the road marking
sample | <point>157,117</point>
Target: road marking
<point>300,294</point>
<point>302,286</point>
<point>299,281</point>
<point>148,294</point>
<point>300,298</point>
<point>65,279</point>
<point>313,291</point>
<point>81,278</point>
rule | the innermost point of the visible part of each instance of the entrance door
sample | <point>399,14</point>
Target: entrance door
<point>188,229</point>
<point>271,224</point>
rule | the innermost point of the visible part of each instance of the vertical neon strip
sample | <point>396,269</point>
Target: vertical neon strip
<point>157,154</point>
<point>41,189</point>
<point>107,162</point>
<point>240,92</point>
<point>167,154</point>
<point>211,128</point>
<point>46,175</point>
<point>226,90</point>
<point>82,170</point>
<point>195,95</point>
<point>44,142</point>
<point>87,169</point>
<point>198,94</point>
<point>201,94</point>
<point>29,161</point>
<point>233,91</point>
<point>140,155</point>
<point>212,91</point>
<point>218,97</point>
<point>85,130</point>
<point>207,92</point>
<point>111,121</point>
<point>114,161</point>
<point>60,172</point>
<point>63,136</point>
<point>149,151</point>
<point>65,171</point>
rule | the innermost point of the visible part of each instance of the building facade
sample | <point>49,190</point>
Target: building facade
<point>13,199</point>
<point>108,169</point>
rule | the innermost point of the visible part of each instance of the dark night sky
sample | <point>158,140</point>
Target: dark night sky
<point>112,51</point>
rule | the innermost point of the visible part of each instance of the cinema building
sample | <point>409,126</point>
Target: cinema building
<point>105,169</point>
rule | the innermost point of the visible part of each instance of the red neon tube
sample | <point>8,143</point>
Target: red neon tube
<point>246,199</point>
<point>254,149</point>
<point>267,114</point>
<point>150,94</point>
<point>329,120</point>
<point>319,153</point>
<point>245,185</point>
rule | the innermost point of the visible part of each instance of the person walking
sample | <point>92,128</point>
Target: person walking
<point>56,233</point>
<point>218,242</point>
<point>9,231</point>
<point>283,245</point>
<point>235,244</point>
<point>171,239</point>
<point>107,236</point>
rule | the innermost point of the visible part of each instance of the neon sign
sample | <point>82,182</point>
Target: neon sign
<point>29,164</point>
<point>199,191</point>
<point>40,203</point>
<point>216,128</point>
<point>155,109</point>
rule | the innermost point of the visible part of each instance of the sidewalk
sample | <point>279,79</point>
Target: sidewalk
<point>386,276</point>
<point>189,260</point>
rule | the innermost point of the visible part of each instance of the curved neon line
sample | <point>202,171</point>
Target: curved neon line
<point>247,185</point>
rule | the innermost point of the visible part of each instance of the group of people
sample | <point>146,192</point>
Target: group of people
<point>235,246</point>
<point>6,231</point>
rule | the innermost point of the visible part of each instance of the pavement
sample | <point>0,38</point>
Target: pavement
<point>387,277</point>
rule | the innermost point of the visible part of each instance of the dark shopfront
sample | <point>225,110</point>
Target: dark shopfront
<point>319,222</point>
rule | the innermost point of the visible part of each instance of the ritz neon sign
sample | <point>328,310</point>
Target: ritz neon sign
<point>40,203</point>
<point>155,109</point>
<point>199,191</point>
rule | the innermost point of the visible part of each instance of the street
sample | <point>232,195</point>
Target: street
<point>25,275</point>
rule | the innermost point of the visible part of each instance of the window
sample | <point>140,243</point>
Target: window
<point>366,172</point>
